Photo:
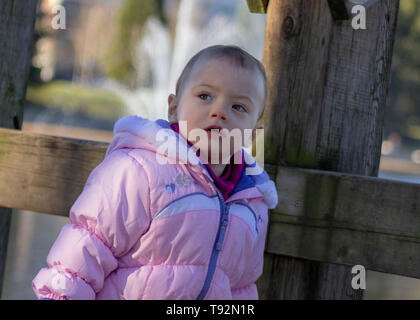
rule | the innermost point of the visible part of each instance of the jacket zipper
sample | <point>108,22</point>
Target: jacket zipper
<point>217,247</point>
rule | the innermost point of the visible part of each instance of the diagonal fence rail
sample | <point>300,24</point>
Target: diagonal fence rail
<point>322,215</point>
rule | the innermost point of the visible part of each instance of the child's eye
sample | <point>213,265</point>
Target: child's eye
<point>204,96</point>
<point>238,107</point>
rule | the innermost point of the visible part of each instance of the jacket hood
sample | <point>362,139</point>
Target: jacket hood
<point>133,132</point>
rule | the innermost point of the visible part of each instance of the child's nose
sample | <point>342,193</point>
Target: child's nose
<point>218,111</point>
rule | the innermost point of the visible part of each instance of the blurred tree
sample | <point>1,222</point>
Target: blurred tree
<point>39,32</point>
<point>131,18</point>
<point>403,114</point>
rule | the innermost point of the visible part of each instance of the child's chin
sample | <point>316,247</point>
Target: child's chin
<point>216,159</point>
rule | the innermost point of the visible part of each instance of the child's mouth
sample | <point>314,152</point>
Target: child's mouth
<point>213,128</point>
<point>214,131</point>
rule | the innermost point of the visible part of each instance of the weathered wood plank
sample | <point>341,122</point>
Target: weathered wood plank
<point>342,9</point>
<point>351,3</point>
<point>44,173</point>
<point>346,219</point>
<point>348,81</point>
<point>17,20</point>
<point>69,131</point>
<point>327,87</point>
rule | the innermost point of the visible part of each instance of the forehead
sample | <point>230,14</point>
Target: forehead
<point>227,73</point>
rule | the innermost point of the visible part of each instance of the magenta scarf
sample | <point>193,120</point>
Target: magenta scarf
<point>230,176</point>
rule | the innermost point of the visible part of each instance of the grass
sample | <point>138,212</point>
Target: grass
<point>88,100</point>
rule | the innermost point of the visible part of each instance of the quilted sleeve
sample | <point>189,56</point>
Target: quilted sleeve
<point>107,219</point>
<point>248,292</point>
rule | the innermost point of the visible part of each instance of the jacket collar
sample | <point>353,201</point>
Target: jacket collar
<point>140,133</point>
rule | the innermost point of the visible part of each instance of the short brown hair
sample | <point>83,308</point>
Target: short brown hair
<point>236,54</point>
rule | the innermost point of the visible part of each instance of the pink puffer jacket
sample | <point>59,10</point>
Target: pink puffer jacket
<point>142,230</point>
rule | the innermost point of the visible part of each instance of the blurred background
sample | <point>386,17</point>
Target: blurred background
<point>122,57</point>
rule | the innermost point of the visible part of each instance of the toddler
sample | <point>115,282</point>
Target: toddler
<point>191,228</point>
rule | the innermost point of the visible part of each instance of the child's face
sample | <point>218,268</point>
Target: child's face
<point>218,93</point>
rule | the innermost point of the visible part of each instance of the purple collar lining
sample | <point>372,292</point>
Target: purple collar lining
<point>230,176</point>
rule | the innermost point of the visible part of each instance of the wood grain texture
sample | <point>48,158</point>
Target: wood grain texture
<point>346,219</point>
<point>301,279</point>
<point>325,107</point>
<point>44,173</point>
<point>327,86</point>
<point>17,20</point>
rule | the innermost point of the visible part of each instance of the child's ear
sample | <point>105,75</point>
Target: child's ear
<point>172,108</point>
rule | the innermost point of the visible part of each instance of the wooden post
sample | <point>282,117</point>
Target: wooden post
<point>326,100</point>
<point>17,20</point>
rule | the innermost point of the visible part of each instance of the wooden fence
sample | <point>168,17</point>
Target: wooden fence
<point>323,124</point>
